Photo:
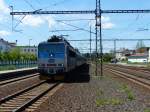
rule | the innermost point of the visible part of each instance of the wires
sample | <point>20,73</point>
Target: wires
<point>29,4</point>
<point>60,2</point>
<point>76,27</point>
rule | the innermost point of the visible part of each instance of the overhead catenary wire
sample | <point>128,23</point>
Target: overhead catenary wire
<point>29,4</point>
<point>76,27</point>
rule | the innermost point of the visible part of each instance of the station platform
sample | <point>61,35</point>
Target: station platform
<point>17,70</point>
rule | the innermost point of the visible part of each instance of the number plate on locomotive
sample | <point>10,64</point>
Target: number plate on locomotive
<point>51,60</point>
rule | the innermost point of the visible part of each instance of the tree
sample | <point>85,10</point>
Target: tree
<point>140,44</point>
<point>107,57</point>
<point>15,54</point>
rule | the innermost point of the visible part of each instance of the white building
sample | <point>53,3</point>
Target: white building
<point>138,59</point>
<point>5,46</point>
<point>29,49</point>
<point>123,54</point>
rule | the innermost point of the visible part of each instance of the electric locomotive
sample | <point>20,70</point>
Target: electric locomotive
<point>57,56</point>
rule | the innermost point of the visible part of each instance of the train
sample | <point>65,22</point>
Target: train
<point>56,56</point>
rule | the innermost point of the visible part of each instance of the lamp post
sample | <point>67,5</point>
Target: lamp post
<point>29,43</point>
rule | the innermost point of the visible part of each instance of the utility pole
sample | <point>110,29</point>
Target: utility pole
<point>90,43</point>
<point>12,18</point>
<point>115,48</point>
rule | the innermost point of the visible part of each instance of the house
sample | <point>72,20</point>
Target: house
<point>124,53</point>
<point>29,49</point>
<point>5,46</point>
<point>138,58</point>
<point>142,55</point>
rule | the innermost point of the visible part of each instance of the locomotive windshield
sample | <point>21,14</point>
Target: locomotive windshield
<point>51,50</point>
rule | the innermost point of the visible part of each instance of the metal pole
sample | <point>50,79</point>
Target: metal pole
<point>101,46</point>
<point>11,7</point>
<point>96,39</point>
<point>115,48</point>
<point>90,43</point>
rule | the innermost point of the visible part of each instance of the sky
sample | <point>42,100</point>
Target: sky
<point>39,27</point>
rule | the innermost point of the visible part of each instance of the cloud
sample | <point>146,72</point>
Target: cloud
<point>106,23</point>
<point>105,19</point>
<point>4,33</point>
<point>36,21</point>
<point>3,7</point>
<point>4,10</point>
<point>51,21</point>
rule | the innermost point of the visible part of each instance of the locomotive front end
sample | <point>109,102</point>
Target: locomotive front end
<point>51,58</point>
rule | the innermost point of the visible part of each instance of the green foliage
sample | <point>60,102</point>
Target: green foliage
<point>147,110</point>
<point>107,57</point>
<point>140,44</point>
<point>129,93</point>
<point>16,55</point>
<point>112,101</point>
<point>10,67</point>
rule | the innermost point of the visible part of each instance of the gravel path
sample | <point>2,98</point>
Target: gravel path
<point>107,94</point>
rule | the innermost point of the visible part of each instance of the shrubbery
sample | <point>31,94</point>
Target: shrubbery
<point>16,55</point>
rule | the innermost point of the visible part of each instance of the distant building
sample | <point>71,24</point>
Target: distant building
<point>5,46</point>
<point>124,53</point>
<point>29,49</point>
<point>142,55</point>
<point>138,58</point>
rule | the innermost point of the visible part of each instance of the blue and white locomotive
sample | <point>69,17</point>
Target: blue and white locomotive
<point>57,56</point>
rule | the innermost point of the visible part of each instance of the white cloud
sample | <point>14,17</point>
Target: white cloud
<point>106,23</point>
<point>51,21</point>
<point>4,10</point>
<point>36,21</point>
<point>4,33</point>
<point>105,19</point>
<point>3,7</point>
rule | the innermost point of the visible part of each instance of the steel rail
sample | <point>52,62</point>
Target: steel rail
<point>17,79</point>
<point>34,99</point>
<point>140,81</point>
<point>138,73</point>
<point>7,98</point>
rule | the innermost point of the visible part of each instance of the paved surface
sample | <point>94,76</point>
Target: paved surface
<point>108,94</point>
<point>17,70</point>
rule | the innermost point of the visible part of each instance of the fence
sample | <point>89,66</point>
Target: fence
<point>11,65</point>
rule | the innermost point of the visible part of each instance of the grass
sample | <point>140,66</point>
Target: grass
<point>99,92</point>
<point>147,110</point>
<point>128,91</point>
<point>112,101</point>
<point>100,101</point>
<point>11,67</point>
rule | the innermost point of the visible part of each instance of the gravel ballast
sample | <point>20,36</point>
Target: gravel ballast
<point>107,94</point>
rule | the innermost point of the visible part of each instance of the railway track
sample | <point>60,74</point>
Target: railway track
<point>138,80</point>
<point>135,72</point>
<point>21,100</point>
<point>10,81</point>
<point>142,69</point>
